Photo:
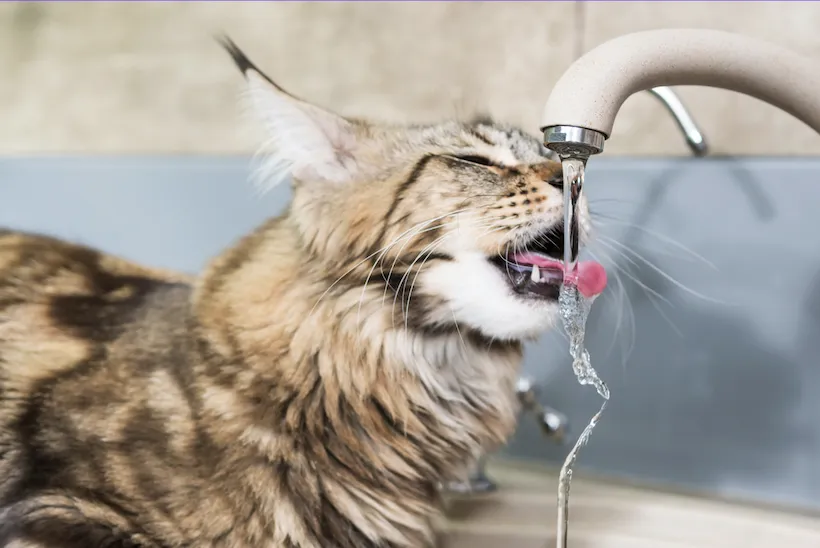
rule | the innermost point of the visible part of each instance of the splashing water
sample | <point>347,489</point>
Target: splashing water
<point>574,309</point>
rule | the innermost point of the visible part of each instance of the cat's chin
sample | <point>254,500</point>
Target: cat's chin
<point>478,293</point>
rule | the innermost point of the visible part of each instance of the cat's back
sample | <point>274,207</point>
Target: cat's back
<point>58,298</point>
<point>38,266</point>
<point>62,304</point>
<point>90,345</point>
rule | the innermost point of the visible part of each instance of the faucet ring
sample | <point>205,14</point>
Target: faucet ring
<point>574,142</point>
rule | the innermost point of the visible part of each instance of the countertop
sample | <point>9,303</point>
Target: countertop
<point>605,514</point>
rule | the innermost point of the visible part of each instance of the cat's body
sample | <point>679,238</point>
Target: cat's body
<point>310,388</point>
<point>127,402</point>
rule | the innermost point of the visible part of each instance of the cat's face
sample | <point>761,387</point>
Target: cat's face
<point>454,225</point>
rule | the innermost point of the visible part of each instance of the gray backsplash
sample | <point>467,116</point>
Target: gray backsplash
<point>708,334</point>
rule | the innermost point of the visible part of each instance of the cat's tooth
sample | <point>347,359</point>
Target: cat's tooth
<point>536,275</point>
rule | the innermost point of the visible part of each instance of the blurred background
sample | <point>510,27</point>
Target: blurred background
<point>147,77</point>
<point>120,127</point>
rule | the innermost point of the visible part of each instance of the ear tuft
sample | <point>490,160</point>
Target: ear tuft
<point>305,141</point>
<point>242,62</point>
<point>245,65</point>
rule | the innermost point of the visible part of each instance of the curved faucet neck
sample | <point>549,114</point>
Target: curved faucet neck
<point>590,93</point>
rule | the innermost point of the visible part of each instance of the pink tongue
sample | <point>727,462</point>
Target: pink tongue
<point>590,276</point>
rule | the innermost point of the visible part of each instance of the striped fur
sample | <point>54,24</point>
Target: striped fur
<point>313,385</point>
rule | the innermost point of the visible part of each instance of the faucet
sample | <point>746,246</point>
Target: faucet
<point>580,112</point>
<point>694,137</point>
<point>553,423</point>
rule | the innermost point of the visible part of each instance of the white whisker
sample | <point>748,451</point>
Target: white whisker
<point>629,275</point>
<point>623,296</point>
<point>666,276</point>
<point>432,246</point>
<point>406,308</point>
<point>666,239</point>
<point>386,248</point>
<point>399,253</point>
<point>418,271</point>
<point>405,234</point>
<point>651,294</point>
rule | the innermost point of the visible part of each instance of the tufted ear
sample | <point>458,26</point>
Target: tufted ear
<point>306,141</point>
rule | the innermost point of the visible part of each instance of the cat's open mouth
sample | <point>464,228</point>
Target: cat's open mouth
<point>537,270</point>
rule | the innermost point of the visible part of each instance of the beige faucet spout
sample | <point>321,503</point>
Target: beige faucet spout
<point>582,107</point>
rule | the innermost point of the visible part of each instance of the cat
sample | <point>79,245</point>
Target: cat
<point>318,380</point>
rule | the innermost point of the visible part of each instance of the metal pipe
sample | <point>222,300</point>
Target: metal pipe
<point>693,135</point>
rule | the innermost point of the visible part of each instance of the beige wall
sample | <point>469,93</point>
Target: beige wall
<point>139,77</point>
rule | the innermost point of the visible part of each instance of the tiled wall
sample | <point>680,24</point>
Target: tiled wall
<point>149,78</point>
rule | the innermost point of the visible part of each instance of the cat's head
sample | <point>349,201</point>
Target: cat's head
<point>442,222</point>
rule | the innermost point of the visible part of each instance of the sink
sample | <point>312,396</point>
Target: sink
<point>606,514</point>
<point>468,539</point>
<point>505,518</point>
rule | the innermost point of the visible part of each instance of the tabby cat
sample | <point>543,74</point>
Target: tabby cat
<point>318,380</point>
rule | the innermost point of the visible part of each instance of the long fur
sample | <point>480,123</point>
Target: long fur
<point>314,384</point>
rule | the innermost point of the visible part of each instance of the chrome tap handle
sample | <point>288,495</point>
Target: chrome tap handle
<point>553,423</point>
<point>693,135</point>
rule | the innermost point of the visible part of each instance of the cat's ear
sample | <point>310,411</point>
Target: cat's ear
<point>306,141</point>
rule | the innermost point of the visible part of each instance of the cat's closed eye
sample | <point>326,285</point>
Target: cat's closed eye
<point>475,159</point>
